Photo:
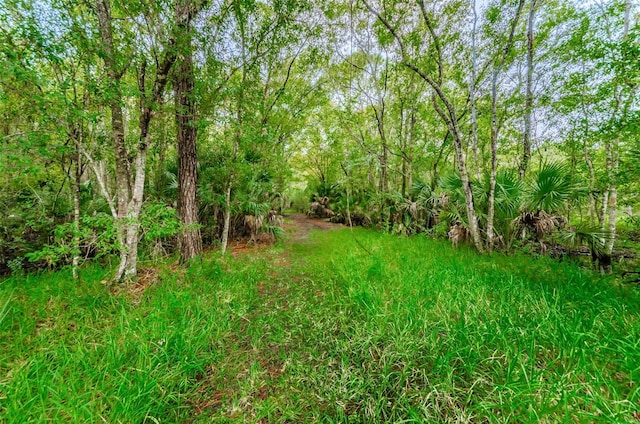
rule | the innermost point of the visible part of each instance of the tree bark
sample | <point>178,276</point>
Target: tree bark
<point>75,261</point>
<point>123,173</point>
<point>130,187</point>
<point>528,107</point>
<point>190,239</point>
<point>472,95</point>
<point>612,157</point>
<point>409,152</point>
<point>236,144</point>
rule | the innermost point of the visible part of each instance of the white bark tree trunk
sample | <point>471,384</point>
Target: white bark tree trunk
<point>472,94</point>
<point>75,261</point>
<point>130,186</point>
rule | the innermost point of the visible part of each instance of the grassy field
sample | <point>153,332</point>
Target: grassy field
<point>385,329</point>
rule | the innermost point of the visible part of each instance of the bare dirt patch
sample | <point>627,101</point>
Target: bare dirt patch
<point>298,226</point>
<point>135,290</point>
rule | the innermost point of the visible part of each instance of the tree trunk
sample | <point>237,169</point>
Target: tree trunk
<point>384,155</point>
<point>472,95</point>
<point>526,139</point>
<point>123,181</point>
<point>613,212</point>
<point>189,240</point>
<point>494,127</point>
<point>408,155</point>
<point>227,217</point>
<point>593,213</point>
<point>75,261</point>
<point>448,116</point>
<point>613,190</point>
<point>592,184</point>
<point>130,187</point>
<point>402,137</point>
<point>494,163</point>
<point>236,145</point>
<point>602,216</point>
<point>452,123</point>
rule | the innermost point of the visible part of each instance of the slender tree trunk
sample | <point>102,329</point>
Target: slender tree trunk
<point>346,174</point>
<point>448,115</point>
<point>602,217</point>
<point>610,198</point>
<point>384,164</point>
<point>613,156</point>
<point>592,179</point>
<point>227,216</point>
<point>236,145</point>
<point>123,182</point>
<point>472,94</point>
<point>627,17</point>
<point>402,136</point>
<point>526,139</point>
<point>593,213</point>
<point>494,127</point>
<point>408,155</point>
<point>227,196</point>
<point>190,240</point>
<point>450,119</point>
<point>130,187</point>
<point>494,162</point>
<point>379,113</point>
<point>76,214</point>
<point>613,212</point>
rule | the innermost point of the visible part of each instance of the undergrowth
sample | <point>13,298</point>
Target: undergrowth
<point>385,329</point>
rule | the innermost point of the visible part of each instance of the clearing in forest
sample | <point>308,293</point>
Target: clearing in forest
<point>329,326</point>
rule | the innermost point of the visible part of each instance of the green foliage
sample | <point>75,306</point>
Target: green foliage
<point>159,221</point>
<point>97,239</point>
<point>550,189</point>
<point>593,237</point>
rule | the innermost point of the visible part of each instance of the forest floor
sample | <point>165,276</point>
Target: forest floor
<point>326,326</point>
<point>298,226</point>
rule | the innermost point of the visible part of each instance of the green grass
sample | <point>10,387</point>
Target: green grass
<point>407,330</point>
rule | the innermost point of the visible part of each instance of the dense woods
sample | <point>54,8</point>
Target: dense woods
<point>133,130</point>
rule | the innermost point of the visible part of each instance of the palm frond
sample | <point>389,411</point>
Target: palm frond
<point>508,195</point>
<point>593,237</point>
<point>550,189</point>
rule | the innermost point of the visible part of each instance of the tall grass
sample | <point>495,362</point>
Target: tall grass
<point>385,329</point>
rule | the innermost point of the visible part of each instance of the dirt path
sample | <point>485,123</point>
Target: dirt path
<point>298,226</point>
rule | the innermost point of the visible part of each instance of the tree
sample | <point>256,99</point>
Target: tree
<point>190,240</point>
<point>443,104</point>
<point>130,174</point>
<point>498,66</point>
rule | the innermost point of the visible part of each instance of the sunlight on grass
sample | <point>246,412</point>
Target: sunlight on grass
<point>407,330</point>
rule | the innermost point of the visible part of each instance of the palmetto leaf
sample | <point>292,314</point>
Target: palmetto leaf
<point>592,236</point>
<point>550,189</point>
<point>423,196</point>
<point>508,195</point>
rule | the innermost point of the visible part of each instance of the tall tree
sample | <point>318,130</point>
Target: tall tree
<point>190,239</point>
<point>528,107</point>
<point>131,166</point>
<point>443,104</point>
<point>497,69</point>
